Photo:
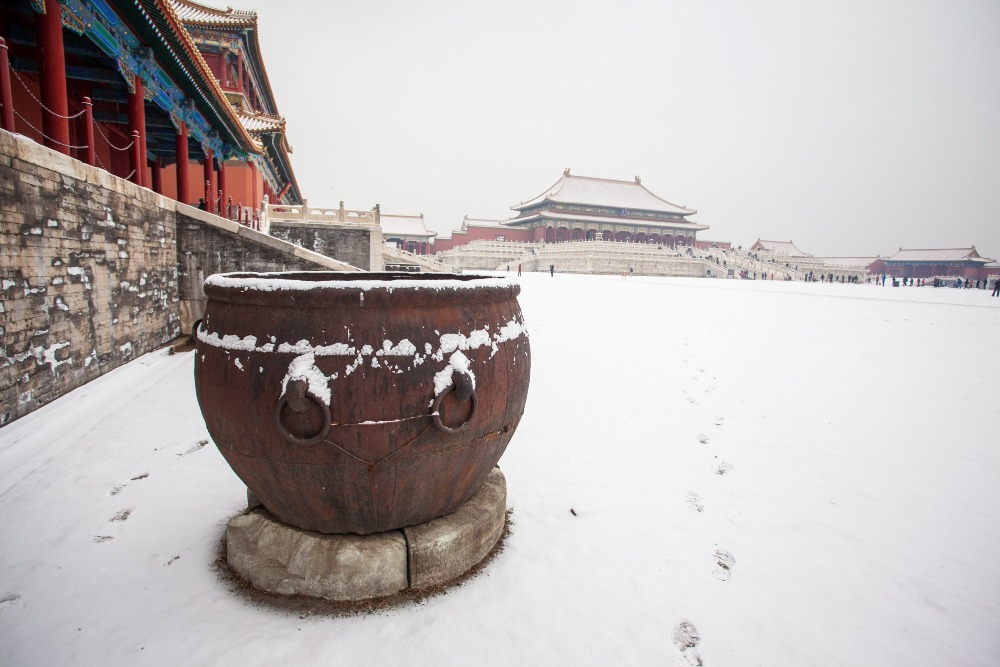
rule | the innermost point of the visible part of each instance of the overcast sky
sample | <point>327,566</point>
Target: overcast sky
<point>851,127</point>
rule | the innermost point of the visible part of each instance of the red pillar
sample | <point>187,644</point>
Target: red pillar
<point>209,172</point>
<point>137,162</point>
<point>157,177</point>
<point>223,190</point>
<point>182,165</point>
<point>89,153</point>
<point>254,199</point>
<point>137,123</point>
<point>55,126</point>
<point>6,99</point>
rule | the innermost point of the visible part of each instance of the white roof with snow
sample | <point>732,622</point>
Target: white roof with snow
<point>604,192</point>
<point>781,247</point>
<point>937,255</point>
<point>404,225</point>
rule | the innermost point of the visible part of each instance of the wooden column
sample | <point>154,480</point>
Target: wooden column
<point>55,126</point>
<point>222,188</point>
<point>136,159</point>
<point>182,165</point>
<point>209,173</point>
<point>90,153</point>
<point>254,203</point>
<point>6,98</point>
<point>137,123</point>
<point>157,177</point>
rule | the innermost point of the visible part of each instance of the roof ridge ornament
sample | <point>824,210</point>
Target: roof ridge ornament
<point>566,171</point>
<point>638,181</point>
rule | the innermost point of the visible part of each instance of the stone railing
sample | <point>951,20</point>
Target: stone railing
<point>306,213</point>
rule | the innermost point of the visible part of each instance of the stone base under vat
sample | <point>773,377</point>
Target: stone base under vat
<point>279,558</point>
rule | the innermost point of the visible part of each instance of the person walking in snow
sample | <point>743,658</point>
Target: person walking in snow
<point>518,269</point>
<point>552,270</point>
<point>996,288</point>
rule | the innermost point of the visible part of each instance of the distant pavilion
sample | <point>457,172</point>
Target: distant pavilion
<point>787,248</point>
<point>407,232</point>
<point>931,262</point>
<point>583,208</point>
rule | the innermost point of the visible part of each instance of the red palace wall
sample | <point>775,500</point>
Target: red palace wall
<point>474,233</point>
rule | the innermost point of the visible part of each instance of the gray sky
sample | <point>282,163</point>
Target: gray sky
<point>851,127</point>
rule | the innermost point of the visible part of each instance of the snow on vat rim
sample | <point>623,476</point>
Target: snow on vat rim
<point>275,282</point>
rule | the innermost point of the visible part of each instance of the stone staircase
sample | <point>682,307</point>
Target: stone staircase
<point>394,257</point>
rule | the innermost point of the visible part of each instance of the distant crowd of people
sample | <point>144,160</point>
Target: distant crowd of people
<point>958,282</point>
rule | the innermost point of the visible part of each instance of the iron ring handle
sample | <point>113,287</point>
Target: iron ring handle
<point>464,386</point>
<point>297,402</point>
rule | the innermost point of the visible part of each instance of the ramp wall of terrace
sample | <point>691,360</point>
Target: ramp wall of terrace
<point>351,236</point>
<point>96,271</point>
<point>605,257</point>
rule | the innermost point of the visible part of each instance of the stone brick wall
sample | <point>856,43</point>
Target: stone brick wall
<point>207,244</point>
<point>96,271</point>
<point>87,274</point>
<point>353,246</point>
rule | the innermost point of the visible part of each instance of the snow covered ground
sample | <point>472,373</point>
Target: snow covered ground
<point>805,474</point>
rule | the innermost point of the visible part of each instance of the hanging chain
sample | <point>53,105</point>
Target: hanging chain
<point>54,113</point>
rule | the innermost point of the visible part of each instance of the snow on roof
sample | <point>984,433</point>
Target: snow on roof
<point>937,255</point>
<point>260,123</point>
<point>604,192</point>
<point>404,225</point>
<point>552,215</point>
<point>192,13</point>
<point>781,247</point>
<point>483,222</point>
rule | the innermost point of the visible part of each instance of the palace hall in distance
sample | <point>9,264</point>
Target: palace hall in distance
<point>583,208</point>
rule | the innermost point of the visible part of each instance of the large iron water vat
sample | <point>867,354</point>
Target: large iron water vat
<point>359,403</point>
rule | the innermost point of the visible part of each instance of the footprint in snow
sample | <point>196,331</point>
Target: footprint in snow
<point>692,400</point>
<point>702,438</point>
<point>694,502</point>
<point>722,467</point>
<point>198,445</point>
<point>118,488</point>
<point>725,562</point>
<point>717,421</point>
<point>686,638</point>
<point>9,601</point>
<point>113,526</point>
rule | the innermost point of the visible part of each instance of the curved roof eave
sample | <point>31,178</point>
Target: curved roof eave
<point>275,143</point>
<point>194,75</point>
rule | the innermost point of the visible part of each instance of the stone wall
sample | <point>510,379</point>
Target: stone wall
<point>88,271</point>
<point>208,244</point>
<point>96,271</point>
<point>358,245</point>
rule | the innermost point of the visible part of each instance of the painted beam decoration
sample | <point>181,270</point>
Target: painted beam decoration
<point>96,20</point>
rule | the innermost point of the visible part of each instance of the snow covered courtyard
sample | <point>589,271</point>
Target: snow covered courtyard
<point>759,473</point>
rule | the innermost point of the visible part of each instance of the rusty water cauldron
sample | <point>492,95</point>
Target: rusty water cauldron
<point>361,402</point>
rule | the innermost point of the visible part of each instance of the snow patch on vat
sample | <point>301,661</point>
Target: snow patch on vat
<point>457,362</point>
<point>403,348</point>
<point>228,342</point>
<point>304,368</point>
